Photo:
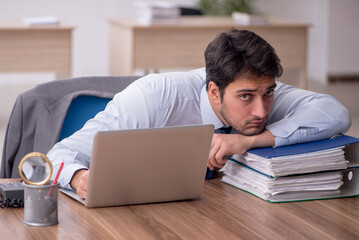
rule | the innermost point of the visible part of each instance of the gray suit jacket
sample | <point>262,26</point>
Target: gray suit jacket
<point>38,114</point>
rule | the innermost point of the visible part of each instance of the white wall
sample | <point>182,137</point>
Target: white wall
<point>333,36</point>
<point>308,11</point>
<point>343,37</point>
<point>90,38</point>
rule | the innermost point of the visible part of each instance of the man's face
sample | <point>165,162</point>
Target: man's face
<point>246,104</point>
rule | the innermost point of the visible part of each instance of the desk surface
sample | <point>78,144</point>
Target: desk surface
<point>223,212</point>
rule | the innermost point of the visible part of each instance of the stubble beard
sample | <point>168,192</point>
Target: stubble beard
<point>243,129</point>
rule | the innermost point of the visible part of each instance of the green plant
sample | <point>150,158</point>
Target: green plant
<point>225,7</point>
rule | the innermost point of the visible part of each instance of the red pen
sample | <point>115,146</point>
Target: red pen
<point>56,177</point>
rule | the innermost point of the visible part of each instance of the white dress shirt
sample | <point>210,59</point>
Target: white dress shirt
<point>180,98</point>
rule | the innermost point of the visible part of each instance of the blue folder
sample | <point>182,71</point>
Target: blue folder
<point>300,148</point>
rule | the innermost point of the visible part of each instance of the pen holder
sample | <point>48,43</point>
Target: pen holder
<point>40,204</point>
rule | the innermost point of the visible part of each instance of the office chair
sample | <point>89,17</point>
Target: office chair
<point>52,111</point>
<point>82,109</point>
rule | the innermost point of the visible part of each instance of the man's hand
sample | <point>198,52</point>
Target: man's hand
<point>79,182</point>
<point>224,145</point>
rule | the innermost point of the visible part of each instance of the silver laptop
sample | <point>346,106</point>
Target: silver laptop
<point>147,165</point>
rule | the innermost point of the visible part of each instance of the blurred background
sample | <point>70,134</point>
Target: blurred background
<point>332,50</point>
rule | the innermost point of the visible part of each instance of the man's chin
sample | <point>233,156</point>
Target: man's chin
<point>252,131</point>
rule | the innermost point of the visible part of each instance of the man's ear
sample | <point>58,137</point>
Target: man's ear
<point>213,93</point>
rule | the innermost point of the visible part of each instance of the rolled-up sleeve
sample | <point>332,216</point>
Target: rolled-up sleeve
<point>300,116</point>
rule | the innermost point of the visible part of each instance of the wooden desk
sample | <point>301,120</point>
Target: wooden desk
<point>36,49</point>
<point>223,212</point>
<point>181,45</point>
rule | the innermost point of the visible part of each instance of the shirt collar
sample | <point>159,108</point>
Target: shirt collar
<point>207,113</point>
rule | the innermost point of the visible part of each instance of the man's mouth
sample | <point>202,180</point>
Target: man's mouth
<point>257,123</point>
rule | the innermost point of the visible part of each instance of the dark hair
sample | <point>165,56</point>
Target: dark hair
<point>239,53</point>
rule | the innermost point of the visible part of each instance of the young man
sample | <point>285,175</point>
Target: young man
<point>237,89</point>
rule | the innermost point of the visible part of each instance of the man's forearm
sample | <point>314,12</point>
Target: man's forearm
<point>265,139</point>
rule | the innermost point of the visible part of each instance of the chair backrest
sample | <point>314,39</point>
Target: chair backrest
<point>37,120</point>
<point>82,109</point>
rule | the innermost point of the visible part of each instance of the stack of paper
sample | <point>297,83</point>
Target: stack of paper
<point>249,19</point>
<point>41,21</point>
<point>312,170</point>
<point>330,159</point>
<point>157,12</point>
<point>302,187</point>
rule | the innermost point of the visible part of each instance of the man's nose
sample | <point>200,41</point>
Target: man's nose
<point>259,109</point>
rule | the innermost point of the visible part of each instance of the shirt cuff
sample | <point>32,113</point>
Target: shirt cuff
<point>282,133</point>
<point>67,174</point>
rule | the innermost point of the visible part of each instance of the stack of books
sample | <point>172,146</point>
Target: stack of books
<point>314,170</point>
<point>157,12</point>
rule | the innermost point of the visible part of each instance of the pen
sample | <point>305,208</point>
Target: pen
<point>56,177</point>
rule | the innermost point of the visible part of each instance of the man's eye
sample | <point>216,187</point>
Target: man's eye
<point>245,97</point>
<point>270,93</point>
